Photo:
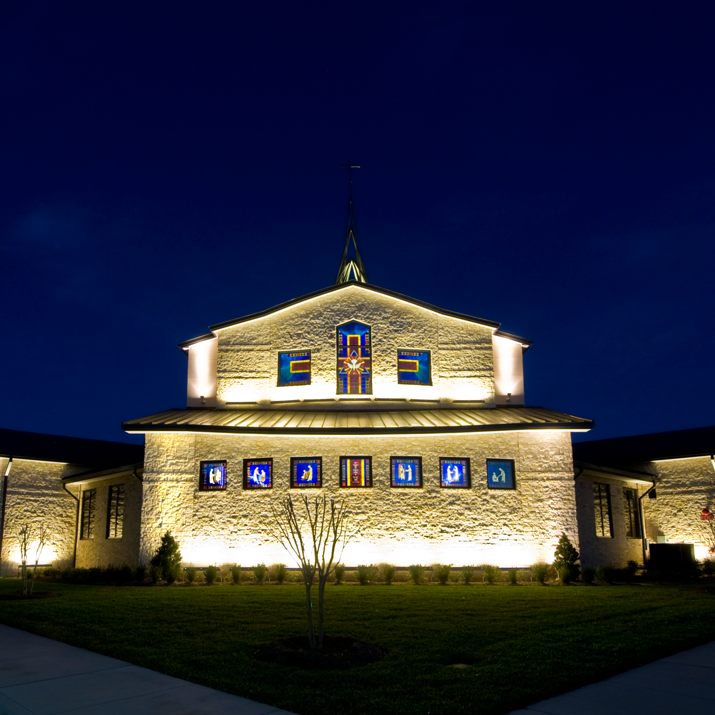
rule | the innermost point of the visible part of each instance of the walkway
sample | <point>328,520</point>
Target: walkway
<point>682,683</point>
<point>39,675</point>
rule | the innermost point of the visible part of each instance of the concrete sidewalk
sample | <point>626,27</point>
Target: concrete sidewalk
<point>39,675</point>
<point>682,683</point>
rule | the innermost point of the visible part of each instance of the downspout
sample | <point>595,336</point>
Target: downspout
<point>4,500</point>
<point>644,538</point>
<point>76,524</point>
<point>134,472</point>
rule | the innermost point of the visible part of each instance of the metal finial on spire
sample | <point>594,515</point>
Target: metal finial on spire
<point>351,268</point>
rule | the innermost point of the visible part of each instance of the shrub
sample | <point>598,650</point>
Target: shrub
<point>441,571</point>
<point>539,571</point>
<point>225,572</point>
<point>210,574</point>
<point>607,574</point>
<point>365,574</point>
<point>190,574</point>
<point>236,574</point>
<point>339,573</point>
<point>168,557</point>
<point>155,574</point>
<point>387,573</point>
<point>140,573</point>
<point>708,567</point>
<point>417,573</point>
<point>588,574</point>
<point>566,560</point>
<point>467,573</point>
<point>260,571</point>
<point>278,573</point>
<point>512,577</point>
<point>490,574</point>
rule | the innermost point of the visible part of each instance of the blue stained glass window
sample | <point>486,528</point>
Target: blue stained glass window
<point>213,476</point>
<point>257,473</point>
<point>294,368</point>
<point>500,474</point>
<point>413,367</point>
<point>306,472</point>
<point>406,472</point>
<point>354,359</point>
<point>454,473</point>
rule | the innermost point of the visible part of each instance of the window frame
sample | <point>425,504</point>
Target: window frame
<point>368,477</point>
<point>88,516</point>
<point>115,511</point>
<point>603,487</point>
<point>632,515</point>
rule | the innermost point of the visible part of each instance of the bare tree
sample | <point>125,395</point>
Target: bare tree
<point>316,535</point>
<point>26,534</point>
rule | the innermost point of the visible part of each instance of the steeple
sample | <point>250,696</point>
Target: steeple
<point>351,267</point>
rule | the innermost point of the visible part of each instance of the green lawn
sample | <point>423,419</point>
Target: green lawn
<point>529,642</point>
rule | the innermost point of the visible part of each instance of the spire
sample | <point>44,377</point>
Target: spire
<point>351,267</point>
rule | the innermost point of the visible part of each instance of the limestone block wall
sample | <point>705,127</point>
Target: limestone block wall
<point>100,550</point>
<point>598,550</point>
<point>684,487</point>
<point>458,526</point>
<point>35,496</point>
<point>462,361</point>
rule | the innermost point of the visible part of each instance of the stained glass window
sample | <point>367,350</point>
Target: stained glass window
<point>500,474</point>
<point>406,472</point>
<point>354,359</point>
<point>115,512</point>
<point>413,367</point>
<point>213,476</point>
<point>454,473</point>
<point>257,473</point>
<point>355,472</point>
<point>294,368</point>
<point>306,472</point>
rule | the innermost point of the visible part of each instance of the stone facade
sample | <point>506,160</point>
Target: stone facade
<point>35,496</point>
<point>101,550</point>
<point>432,524</point>
<point>462,351</point>
<point>684,487</point>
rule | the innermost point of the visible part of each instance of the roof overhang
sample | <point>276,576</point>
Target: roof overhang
<point>622,475</point>
<point>130,470</point>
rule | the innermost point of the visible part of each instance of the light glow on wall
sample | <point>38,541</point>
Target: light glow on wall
<point>508,371</point>
<point>201,381</point>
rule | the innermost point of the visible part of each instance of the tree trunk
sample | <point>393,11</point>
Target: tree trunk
<point>24,578</point>
<point>321,593</point>
<point>309,613</point>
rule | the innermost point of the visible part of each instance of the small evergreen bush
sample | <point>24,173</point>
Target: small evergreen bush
<point>278,573</point>
<point>467,573</point>
<point>490,574</point>
<point>365,574</point>
<point>260,571</point>
<point>168,558</point>
<point>417,573</point>
<point>588,574</point>
<point>339,574</point>
<point>155,574</point>
<point>387,573</point>
<point>210,575</point>
<point>236,574</point>
<point>190,574</point>
<point>441,571</point>
<point>512,577</point>
<point>566,559</point>
<point>539,571</point>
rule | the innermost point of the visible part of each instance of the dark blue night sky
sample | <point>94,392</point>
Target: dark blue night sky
<point>166,166</point>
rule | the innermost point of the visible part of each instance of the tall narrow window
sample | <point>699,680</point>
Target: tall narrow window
<point>115,512</point>
<point>89,501</point>
<point>354,359</point>
<point>632,513</point>
<point>602,509</point>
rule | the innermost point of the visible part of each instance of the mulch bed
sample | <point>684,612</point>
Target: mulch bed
<point>338,653</point>
<point>30,597</point>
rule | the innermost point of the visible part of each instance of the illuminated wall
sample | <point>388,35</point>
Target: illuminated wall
<point>684,487</point>
<point>461,357</point>
<point>201,383</point>
<point>403,526</point>
<point>508,371</point>
<point>35,496</point>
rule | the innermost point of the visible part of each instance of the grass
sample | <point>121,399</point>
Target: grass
<point>526,642</point>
